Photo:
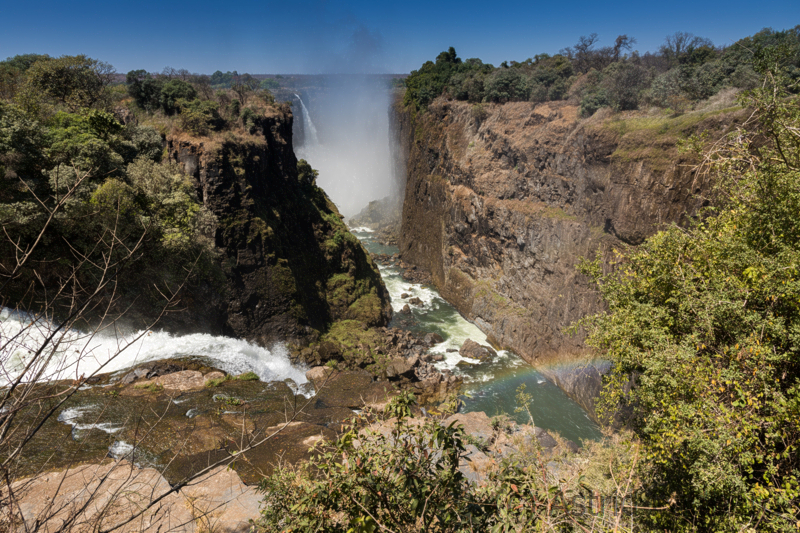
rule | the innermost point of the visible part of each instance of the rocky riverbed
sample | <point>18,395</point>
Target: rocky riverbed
<point>143,432</point>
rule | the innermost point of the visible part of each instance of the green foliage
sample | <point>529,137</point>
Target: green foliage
<point>706,322</point>
<point>505,85</point>
<point>173,92</point>
<point>405,476</point>
<point>74,81</point>
<point>12,73</point>
<point>145,89</point>
<point>248,376</point>
<point>306,174</point>
<point>594,100</point>
<point>199,116</point>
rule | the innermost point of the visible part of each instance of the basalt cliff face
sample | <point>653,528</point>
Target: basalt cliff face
<point>502,201</point>
<point>285,266</point>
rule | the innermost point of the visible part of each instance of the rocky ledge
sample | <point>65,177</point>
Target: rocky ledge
<point>112,491</point>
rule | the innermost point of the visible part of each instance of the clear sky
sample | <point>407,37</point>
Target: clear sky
<point>318,36</point>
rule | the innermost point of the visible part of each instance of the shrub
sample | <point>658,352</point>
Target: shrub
<point>593,101</point>
<point>704,321</point>
<point>199,116</point>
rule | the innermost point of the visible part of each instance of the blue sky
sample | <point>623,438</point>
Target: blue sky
<point>338,36</point>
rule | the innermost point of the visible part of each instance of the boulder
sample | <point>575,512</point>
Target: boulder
<point>473,350</point>
<point>399,368</point>
<point>101,496</point>
<point>178,381</point>
<point>219,501</point>
<point>433,338</point>
<point>476,424</point>
<point>318,374</point>
<point>216,374</point>
<point>416,301</point>
<point>546,440</point>
<point>406,309</point>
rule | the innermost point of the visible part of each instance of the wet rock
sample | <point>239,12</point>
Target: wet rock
<point>406,309</point>
<point>433,338</point>
<point>473,350</point>
<point>451,350</point>
<point>416,301</point>
<point>405,295</point>
<point>354,389</point>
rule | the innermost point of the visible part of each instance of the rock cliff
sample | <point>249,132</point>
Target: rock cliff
<point>285,266</point>
<point>502,201</point>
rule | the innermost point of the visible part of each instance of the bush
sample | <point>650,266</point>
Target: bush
<point>405,477</point>
<point>593,101</point>
<point>199,116</point>
<point>705,322</point>
<point>506,85</point>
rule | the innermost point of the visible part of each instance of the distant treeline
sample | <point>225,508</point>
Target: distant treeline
<point>684,70</point>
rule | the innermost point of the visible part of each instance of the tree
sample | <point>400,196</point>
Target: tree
<point>145,89</point>
<point>172,92</point>
<point>244,85</point>
<point>680,46</point>
<point>74,81</point>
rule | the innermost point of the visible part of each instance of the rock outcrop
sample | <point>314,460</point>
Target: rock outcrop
<point>286,267</point>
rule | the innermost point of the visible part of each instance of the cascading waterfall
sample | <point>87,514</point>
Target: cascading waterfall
<point>79,353</point>
<point>312,139</point>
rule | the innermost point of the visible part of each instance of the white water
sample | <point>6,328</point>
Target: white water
<point>77,354</point>
<point>436,313</point>
<point>71,416</point>
<point>312,139</point>
<point>349,142</point>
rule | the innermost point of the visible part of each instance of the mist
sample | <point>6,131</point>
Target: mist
<point>350,114</point>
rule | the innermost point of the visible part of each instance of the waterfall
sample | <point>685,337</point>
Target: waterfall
<point>75,353</point>
<point>311,131</point>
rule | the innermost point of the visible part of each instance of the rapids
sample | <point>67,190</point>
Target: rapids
<point>490,387</point>
<point>79,353</point>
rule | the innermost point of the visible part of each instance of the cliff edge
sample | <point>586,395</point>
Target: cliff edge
<point>503,200</point>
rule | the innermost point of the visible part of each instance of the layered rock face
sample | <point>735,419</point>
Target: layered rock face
<point>501,204</point>
<point>285,267</point>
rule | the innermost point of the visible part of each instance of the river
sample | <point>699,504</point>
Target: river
<point>490,387</point>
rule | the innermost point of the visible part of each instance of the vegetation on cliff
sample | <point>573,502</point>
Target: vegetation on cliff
<point>91,167</point>
<point>685,70</point>
<point>705,323</point>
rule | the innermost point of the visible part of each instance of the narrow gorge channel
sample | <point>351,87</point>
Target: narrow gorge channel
<point>489,386</point>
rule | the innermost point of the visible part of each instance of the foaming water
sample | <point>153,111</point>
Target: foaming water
<point>74,353</point>
<point>489,386</point>
<point>349,143</point>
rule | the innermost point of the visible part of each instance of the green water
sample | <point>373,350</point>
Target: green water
<point>490,387</point>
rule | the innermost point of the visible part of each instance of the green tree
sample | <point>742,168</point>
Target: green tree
<point>74,81</point>
<point>172,92</point>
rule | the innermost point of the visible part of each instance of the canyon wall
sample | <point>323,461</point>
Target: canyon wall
<point>502,201</point>
<point>284,267</point>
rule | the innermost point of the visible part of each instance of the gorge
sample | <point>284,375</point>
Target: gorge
<point>439,271</point>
